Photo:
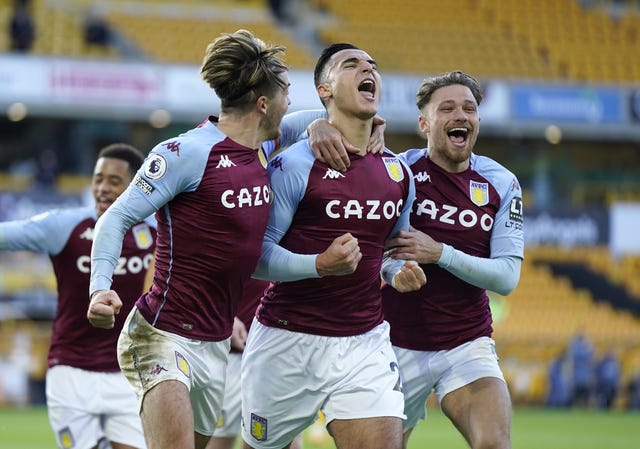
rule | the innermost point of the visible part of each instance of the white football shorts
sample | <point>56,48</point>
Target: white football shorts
<point>148,356</point>
<point>231,414</point>
<point>87,406</point>
<point>288,376</point>
<point>443,371</point>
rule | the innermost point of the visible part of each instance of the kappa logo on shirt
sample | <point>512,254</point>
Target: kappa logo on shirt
<point>173,146</point>
<point>156,370</point>
<point>422,176</point>
<point>332,174</point>
<point>276,163</point>
<point>225,162</point>
<point>87,234</point>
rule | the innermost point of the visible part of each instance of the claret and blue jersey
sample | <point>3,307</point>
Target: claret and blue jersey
<point>314,204</point>
<point>478,211</point>
<point>212,199</point>
<point>66,235</point>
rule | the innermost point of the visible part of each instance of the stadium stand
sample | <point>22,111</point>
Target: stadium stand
<point>545,311</point>
<point>623,271</point>
<point>189,36</point>
<point>511,39</point>
<point>57,32</point>
<point>150,29</point>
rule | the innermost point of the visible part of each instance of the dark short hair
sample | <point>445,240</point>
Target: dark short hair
<point>326,55</point>
<point>430,85</point>
<point>125,152</point>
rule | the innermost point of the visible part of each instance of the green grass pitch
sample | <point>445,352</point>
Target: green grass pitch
<point>533,428</point>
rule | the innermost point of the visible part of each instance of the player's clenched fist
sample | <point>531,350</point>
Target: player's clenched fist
<point>340,258</point>
<point>103,308</point>
<point>409,278</point>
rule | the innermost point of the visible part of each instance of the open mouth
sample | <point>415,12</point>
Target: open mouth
<point>103,203</point>
<point>367,86</point>
<point>458,135</point>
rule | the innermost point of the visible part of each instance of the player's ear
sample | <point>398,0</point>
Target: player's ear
<point>324,91</point>
<point>423,124</point>
<point>262,104</point>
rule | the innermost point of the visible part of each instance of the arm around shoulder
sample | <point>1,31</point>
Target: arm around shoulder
<point>500,274</point>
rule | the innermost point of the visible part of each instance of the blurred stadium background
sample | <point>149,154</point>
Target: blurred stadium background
<point>561,110</point>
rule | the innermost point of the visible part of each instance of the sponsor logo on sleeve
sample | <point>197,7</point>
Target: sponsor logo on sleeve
<point>143,185</point>
<point>155,167</point>
<point>515,210</point>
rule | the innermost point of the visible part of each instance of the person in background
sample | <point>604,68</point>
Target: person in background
<point>88,399</point>
<point>633,391</point>
<point>559,378</point>
<point>580,354</point>
<point>21,27</point>
<point>607,374</point>
<point>96,28</point>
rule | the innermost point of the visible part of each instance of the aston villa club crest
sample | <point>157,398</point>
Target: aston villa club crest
<point>258,427</point>
<point>66,438</point>
<point>222,419</point>
<point>183,365</point>
<point>479,193</point>
<point>394,168</point>
<point>142,236</point>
